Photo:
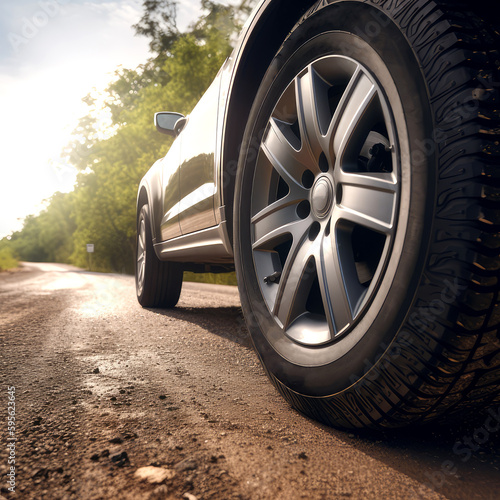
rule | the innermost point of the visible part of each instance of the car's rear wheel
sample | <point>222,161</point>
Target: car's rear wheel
<point>366,214</point>
<point>158,283</point>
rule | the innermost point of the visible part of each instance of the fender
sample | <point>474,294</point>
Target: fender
<point>150,191</point>
<point>259,40</point>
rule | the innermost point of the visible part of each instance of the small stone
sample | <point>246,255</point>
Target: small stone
<point>120,459</point>
<point>185,465</point>
<point>39,473</point>
<point>162,396</point>
<point>303,455</point>
<point>95,457</point>
<point>188,496</point>
<point>95,370</point>
<point>105,453</point>
<point>154,475</point>
<point>116,440</point>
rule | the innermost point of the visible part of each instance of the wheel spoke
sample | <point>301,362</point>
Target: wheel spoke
<point>313,111</point>
<point>285,159</point>
<point>141,254</point>
<point>331,282</point>
<point>296,229</point>
<point>368,200</point>
<point>141,272</point>
<point>371,181</point>
<point>278,219</point>
<point>140,258</point>
<point>296,280</point>
<point>141,245</point>
<point>353,105</point>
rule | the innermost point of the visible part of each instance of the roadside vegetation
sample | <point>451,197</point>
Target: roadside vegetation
<point>115,143</point>
<point>7,258</point>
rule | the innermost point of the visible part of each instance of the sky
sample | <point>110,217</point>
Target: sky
<point>52,54</point>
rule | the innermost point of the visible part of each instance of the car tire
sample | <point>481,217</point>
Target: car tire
<point>158,283</point>
<point>367,210</point>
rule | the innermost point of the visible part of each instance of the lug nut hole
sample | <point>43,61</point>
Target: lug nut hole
<point>308,179</point>
<point>303,209</point>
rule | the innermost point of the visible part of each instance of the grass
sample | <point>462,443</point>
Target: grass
<point>217,279</point>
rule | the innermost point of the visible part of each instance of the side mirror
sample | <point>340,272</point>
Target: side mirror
<point>170,123</point>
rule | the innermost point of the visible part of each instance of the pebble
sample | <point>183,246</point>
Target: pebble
<point>120,459</point>
<point>154,475</point>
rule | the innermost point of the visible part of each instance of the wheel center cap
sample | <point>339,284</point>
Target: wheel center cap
<point>322,197</point>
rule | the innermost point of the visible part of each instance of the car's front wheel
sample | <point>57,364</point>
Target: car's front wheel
<point>365,217</point>
<point>158,283</point>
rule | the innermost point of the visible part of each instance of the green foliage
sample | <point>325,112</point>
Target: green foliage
<point>47,237</point>
<point>159,24</point>
<point>8,259</point>
<point>116,142</point>
<point>216,279</point>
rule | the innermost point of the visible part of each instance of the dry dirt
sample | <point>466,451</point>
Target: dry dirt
<point>104,387</point>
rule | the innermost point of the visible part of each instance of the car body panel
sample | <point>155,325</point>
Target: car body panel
<point>170,225</point>
<point>198,170</point>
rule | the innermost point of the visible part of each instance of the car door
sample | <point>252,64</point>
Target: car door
<point>197,160</point>
<point>170,227</point>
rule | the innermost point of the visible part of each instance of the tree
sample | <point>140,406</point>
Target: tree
<point>115,143</point>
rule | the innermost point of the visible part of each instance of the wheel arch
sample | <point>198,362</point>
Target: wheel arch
<point>149,192</point>
<point>259,42</point>
<point>142,198</point>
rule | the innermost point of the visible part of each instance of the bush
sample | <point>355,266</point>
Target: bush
<point>7,259</point>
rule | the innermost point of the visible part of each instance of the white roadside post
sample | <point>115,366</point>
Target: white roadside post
<point>90,251</point>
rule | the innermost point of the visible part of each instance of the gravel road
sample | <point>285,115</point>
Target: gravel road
<point>104,389</point>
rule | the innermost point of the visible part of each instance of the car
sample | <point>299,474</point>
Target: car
<point>345,163</point>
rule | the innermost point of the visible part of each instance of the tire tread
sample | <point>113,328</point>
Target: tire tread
<point>452,363</point>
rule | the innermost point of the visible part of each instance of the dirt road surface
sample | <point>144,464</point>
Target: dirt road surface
<point>102,388</point>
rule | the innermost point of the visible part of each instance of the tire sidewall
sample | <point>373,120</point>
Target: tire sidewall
<point>340,28</point>
<point>148,247</point>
